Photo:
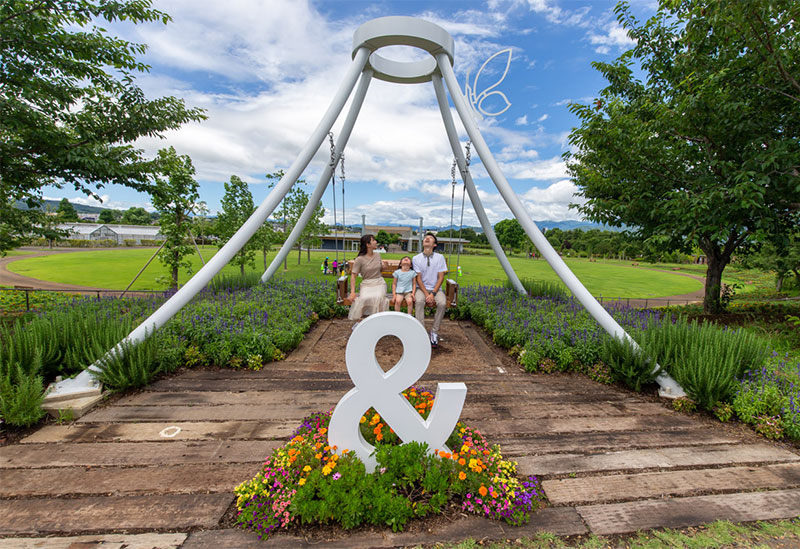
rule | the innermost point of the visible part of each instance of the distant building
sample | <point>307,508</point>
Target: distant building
<point>88,216</point>
<point>117,233</point>
<point>409,242</point>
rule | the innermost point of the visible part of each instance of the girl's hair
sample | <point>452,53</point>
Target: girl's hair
<point>364,241</point>
<point>405,257</point>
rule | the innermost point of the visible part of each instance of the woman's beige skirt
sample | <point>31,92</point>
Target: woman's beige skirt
<point>371,299</point>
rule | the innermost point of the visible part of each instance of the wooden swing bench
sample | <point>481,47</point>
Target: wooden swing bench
<point>388,267</point>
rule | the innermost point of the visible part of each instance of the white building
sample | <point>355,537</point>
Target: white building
<point>117,233</point>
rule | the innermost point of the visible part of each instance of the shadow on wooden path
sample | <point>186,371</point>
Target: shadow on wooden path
<point>157,468</point>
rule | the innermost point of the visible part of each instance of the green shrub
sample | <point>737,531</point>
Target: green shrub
<point>723,411</point>
<point>769,426</point>
<point>683,404</point>
<point>600,373</point>
<point>704,359</point>
<point>628,364</point>
<point>541,288</point>
<point>21,396</point>
<point>234,282</point>
<point>133,365</point>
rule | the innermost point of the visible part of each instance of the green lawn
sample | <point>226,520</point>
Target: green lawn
<point>115,268</point>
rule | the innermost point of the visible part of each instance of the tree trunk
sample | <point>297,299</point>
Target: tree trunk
<point>717,259</point>
<point>174,270</point>
<point>299,252</point>
<point>308,254</point>
<point>264,253</point>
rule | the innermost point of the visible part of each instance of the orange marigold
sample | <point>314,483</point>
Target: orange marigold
<point>462,475</point>
<point>482,490</point>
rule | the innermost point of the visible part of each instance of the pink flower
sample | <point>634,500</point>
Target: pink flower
<point>337,476</point>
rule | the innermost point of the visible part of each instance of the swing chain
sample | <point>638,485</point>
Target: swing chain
<point>469,152</point>
<point>333,189</point>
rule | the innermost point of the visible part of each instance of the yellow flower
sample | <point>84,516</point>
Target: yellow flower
<point>363,419</point>
<point>307,468</point>
<point>326,470</point>
<point>301,481</point>
<point>473,463</point>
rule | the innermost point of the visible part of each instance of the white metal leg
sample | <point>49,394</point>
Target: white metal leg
<point>319,190</point>
<point>195,284</point>
<point>452,135</point>
<point>669,387</point>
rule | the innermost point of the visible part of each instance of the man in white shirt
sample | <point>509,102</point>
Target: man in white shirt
<point>430,268</point>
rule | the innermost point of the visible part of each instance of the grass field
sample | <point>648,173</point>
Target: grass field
<point>115,268</point>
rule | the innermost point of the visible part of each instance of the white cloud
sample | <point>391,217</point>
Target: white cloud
<point>538,170</point>
<point>614,37</point>
<point>543,117</point>
<point>521,121</point>
<point>552,203</point>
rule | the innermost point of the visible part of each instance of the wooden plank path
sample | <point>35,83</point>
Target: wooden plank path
<point>157,468</point>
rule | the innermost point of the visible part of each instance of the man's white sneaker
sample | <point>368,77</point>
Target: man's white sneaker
<point>434,339</point>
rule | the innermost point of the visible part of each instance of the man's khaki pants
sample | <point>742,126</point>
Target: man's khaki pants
<point>441,307</point>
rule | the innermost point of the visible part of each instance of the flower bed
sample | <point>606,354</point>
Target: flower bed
<point>308,481</point>
<point>557,334</point>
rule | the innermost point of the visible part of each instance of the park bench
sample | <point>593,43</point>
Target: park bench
<point>388,267</point>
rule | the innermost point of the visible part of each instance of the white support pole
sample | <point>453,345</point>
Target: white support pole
<point>669,387</point>
<point>452,135</point>
<point>324,178</point>
<point>85,380</point>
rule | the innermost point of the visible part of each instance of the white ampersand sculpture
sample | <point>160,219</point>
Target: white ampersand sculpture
<point>382,390</point>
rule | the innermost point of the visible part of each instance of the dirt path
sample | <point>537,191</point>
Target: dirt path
<point>157,468</point>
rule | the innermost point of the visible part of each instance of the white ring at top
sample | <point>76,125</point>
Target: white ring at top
<point>403,31</point>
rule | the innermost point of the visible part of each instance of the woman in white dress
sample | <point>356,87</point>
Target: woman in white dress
<point>372,296</point>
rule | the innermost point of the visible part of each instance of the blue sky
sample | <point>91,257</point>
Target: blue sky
<point>266,70</point>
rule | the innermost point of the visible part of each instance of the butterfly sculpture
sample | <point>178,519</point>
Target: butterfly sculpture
<point>476,99</point>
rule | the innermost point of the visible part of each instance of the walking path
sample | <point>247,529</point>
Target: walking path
<point>157,468</point>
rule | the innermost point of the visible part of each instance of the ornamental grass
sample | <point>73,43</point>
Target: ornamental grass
<point>309,481</point>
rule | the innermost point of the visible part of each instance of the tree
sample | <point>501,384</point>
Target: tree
<point>136,216</point>
<point>290,210</point>
<point>237,207</point>
<point>175,198</point>
<point>70,110</point>
<point>49,227</point>
<point>783,258</point>
<point>510,233</point>
<point>384,238</point>
<point>106,216</point>
<point>67,211</point>
<point>704,152</point>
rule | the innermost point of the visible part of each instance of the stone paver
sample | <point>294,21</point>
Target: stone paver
<point>671,483</point>
<point>64,481</point>
<point>659,458</point>
<point>160,432</point>
<point>142,453</point>
<point>621,518</point>
<point>164,511</point>
<point>107,541</point>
